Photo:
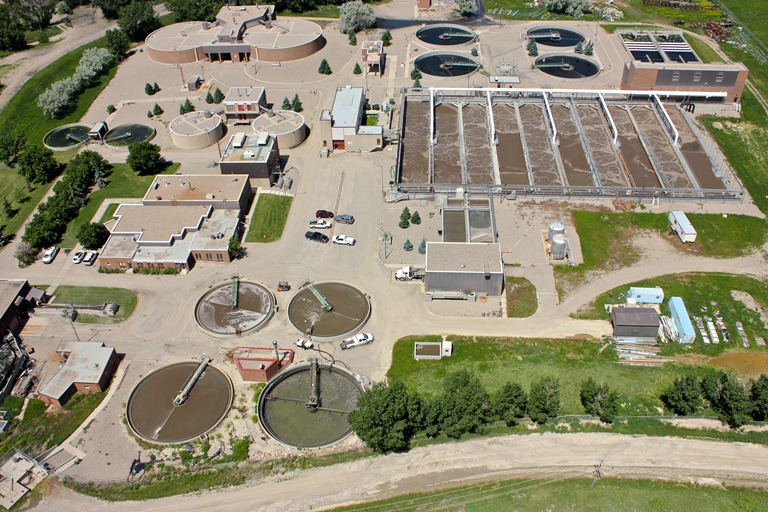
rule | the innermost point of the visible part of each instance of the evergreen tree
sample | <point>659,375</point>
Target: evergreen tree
<point>286,103</point>
<point>386,38</point>
<point>352,39</point>
<point>209,98</point>
<point>474,52</point>
<point>589,49</point>
<point>544,399</point>
<point>157,110</point>
<point>325,68</point>
<point>149,114</point>
<point>759,396</point>
<point>357,70</point>
<point>416,74</point>
<point>155,88</point>
<point>423,246</point>
<point>148,89</point>
<point>296,105</point>
<point>684,396</point>
<point>407,246</point>
<point>579,48</point>
<point>416,218</point>
<point>218,96</point>
<point>510,403</point>
<point>404,223</point>
<point>417,84</point>
<point>599,400</point>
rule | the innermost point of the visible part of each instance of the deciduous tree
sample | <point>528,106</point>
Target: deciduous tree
<point>37,165</point>
<point>598,400</point>
<point>143,157</point>
<point>684,396</point>
<point>544,399</point>
<point>138,20</point>
<point>355,16</point>
<point>92,235</point>
<point>510,403</point>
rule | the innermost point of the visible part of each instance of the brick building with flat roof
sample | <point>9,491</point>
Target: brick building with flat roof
<point>182,219</point>
<point>88,368</point>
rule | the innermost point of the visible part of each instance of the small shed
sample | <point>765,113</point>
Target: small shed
<point>98,131</point>
<point>679,314</point>
<point>682,226</point>
<point>194,83</point>
<point>640,295</point>
<point>256,364</point>
<point>635,323</point>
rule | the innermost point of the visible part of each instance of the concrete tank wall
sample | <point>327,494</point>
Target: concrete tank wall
<point>292,53</point>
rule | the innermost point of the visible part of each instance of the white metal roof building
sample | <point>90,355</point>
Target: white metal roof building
<point>464,267</point>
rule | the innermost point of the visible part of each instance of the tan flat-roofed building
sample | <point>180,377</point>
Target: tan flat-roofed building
<point>254,154</point>
<point>88,368</point>
<point>221,192</point>
<point>464,267</point>
<point>244,103</point>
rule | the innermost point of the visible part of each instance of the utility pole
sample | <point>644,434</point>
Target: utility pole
<point>597,474</point>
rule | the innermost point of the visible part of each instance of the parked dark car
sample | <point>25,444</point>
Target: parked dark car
<point>323,214</point>
<point>316,236</point>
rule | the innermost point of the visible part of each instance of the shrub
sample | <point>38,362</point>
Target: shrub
<point>416,74</point>
<point>386,38</point>
<point>474,52</point>
<point>111,109</point>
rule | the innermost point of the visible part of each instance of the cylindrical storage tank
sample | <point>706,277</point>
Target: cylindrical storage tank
<point>287,126</point>
<point>557,247</point>
<point>555,228</point>
<point>196,130</point>
<point>279,182</point>
<point>288,183</point>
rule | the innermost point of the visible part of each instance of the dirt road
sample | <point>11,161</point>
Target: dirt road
<point>435,467</point>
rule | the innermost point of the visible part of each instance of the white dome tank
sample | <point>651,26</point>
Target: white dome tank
<point>555,228</point>
<point>557,247</point>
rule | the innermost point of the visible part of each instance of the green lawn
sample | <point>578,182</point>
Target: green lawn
<point>109,212</point>
<point>123,182</point>
<point>23,201</point>
<point>269,218</point>
<point>22,111</point>
<point>605,239</point>
<point>521,297</point>
<point>705,52</point>
<point>127,300</point>
<point>575,495</point>
<point>39,431</point>
<point>697,290</point>
<point>322,11</point>
<point>499,360</point>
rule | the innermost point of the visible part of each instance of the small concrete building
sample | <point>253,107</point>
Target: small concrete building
<point>244,103</point>
<point>432,350</point>
<point>19,474</point>
<point>343,127</point>
<point>256,364</point>
<point>635,323</point>
<point>373,56</point>
<point>88,368</point>
<point>685,331</point>
<point>464,267</point>
<point>254,154</point>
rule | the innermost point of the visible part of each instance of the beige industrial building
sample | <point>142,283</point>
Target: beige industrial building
<point>239,33</point>
<point>88,368</point>
<point>244,103</point>
<point>181,220</point>
<point>457,267</point>
<point>343,127</point>
<point>254,154</point>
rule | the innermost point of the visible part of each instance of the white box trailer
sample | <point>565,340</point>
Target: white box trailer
<point>682,226</point>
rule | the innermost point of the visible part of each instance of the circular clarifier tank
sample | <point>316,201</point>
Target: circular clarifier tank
<point>284,412</point>
<point>445,35</point>
<point>66,137</point>
<point>126,134</point>
<point>567,66</point>
<point>557,37</point>
<point>329,310</point>
<point>219,312</point>
<point>151,412</point>
<point>446,64</point>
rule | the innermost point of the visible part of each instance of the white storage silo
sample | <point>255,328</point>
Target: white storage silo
<point>557,247</point>
<point>555,228</point>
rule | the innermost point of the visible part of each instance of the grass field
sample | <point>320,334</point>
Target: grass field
<point>322,11</point>
<point>109,212</point>
<point>39,431</point>
<point>521,297</point>
<point>499,360</point>
<point>23,201</point>
<point>127,300</point>
<point>123,182</point>
<point>269,218</point>
<point>575,495</point>
<point>606,240</point>
<point>522,10</point>
<point>705,52</point>
<point>697,290</point>
<point>22,111</point>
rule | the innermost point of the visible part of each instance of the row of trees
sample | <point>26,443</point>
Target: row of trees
<point>49,223</point>
<point>734,403</point>
<point>61,96</point>
<point>575,8</point>
<point>294,105</point>
<point>388,416</point>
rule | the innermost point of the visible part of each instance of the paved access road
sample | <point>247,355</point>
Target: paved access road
<point>435,467</point>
